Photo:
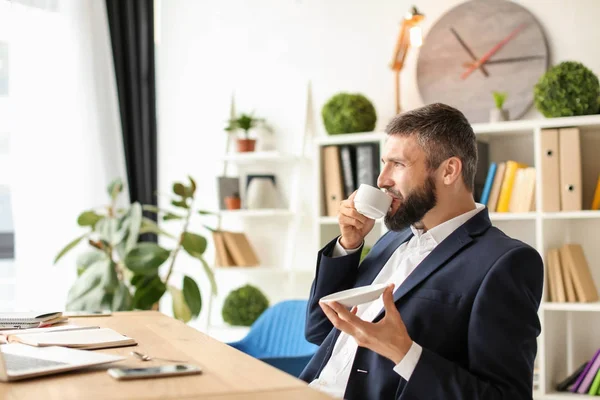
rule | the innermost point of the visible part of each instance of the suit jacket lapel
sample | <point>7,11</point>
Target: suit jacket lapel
<point>443,252</point>
<point>380,254</point>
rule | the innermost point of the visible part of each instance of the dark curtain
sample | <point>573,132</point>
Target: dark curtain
<point>131,24</point>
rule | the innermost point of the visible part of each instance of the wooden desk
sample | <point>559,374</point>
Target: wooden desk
<point>228,374</point>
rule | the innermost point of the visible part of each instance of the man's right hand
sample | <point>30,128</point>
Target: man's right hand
<point>353,225</point>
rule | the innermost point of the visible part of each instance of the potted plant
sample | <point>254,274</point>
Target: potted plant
<point>348,113</point>
<point>499,113</point>
<point>233,202</point>
<point>118,273</point>
<point>244,305</point>
<point>245,122</point>
<point>567,89</point>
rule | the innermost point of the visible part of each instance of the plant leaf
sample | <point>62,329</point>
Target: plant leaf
<point>168,216</point>
<point>193,244</point>
<point>192,185</point>
<point>88,218</point>
<point>110,280</point>
<point>87,292</point>
<point>149,291</point>
<point>179,189</point>
<point>84,260</point>
<point>114,188</point>
<point>149,226</point>
<point>204,212</point>
<point>210,274</point>
<point>135,224</point>
<point>68,247</point>
<point>145,258</point>
<point>191,293</point>
<point>122,300</point>
<point>181,311</point>
<point>180,203</point>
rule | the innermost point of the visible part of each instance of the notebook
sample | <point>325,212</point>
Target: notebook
<point>27,319</point>
<point>87,339</point>
<point>6,334</point>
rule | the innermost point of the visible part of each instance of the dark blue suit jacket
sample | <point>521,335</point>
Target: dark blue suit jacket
<point>471,304</point>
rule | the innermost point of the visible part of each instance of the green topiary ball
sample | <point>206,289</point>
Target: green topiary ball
<point>348,113</point>
<point>567,89</point>
<point>244,305</point>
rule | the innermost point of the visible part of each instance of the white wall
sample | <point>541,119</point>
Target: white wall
<point>267,51</point>
<point>65,144</point>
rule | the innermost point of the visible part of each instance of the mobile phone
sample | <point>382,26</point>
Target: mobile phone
<point>154,372</point>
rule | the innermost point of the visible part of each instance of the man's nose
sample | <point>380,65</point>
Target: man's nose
<point>384,180</point>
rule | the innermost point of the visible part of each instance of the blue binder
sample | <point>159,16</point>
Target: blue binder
<point>485,195</point>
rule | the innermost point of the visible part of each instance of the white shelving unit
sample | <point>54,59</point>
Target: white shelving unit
<point>275,242</point>
<point>570,331</point>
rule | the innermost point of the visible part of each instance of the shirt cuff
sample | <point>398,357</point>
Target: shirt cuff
<point>339,251</point>
<point>407,365</point>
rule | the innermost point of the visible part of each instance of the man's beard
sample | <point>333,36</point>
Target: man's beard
<point>413,207</point>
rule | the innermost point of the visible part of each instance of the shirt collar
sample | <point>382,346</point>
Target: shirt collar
<point>443,230</point>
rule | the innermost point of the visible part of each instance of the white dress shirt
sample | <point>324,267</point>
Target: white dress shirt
<point>334,376</point>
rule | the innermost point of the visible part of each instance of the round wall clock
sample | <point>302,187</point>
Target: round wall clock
<point>479,47</point>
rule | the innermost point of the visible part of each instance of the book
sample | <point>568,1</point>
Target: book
<point>596,201</point>
<point>487,188</point>
<point>581,377</point>
<point>564,385</point>
<point>86,339</point>
<point>5,335</point>
<point>573,259</point>
<point>507,185</point>
<point>496,186</point>
<point>31,319</point>
<point>240,249</point>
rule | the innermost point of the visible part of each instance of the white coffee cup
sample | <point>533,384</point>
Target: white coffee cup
<point>372,202</point>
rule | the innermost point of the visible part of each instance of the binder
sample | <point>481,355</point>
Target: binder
<point>551,290</point>
<point>550,170</point>
<point>583,283</point>
<point>570,169</point>
<point>567,276</point>
<point>496,186</point>
<point>332,180</point>
<point>596,200</point>
<point>507,185</point>
<point>557,275</point>
<point>487,188</point>
<point>348,161</point>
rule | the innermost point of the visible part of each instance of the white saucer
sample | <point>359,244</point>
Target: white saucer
<point>356,296</point>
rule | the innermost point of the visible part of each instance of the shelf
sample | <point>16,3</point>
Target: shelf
<point>350,138</point>
<point>257,213</point>
<point>259,156</point>
<point>554,306</point>
<point>561,396</point>
<point>512,216</point>
<point>525,126</point>
<point>572,214</point>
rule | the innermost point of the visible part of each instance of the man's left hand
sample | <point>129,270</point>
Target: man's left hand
<point>387,337</point>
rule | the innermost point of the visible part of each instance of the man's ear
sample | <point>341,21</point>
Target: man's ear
<point>451,170</point>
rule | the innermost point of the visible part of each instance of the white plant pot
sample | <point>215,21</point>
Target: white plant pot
<point>497,115</point>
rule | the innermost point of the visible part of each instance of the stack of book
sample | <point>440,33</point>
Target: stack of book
<point>585,379</point>
<point>569,277</point>
<point>509,187</point>
<point>232,249</point>
<point>30,319</point>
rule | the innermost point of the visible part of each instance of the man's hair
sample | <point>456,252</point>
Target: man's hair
<point>442,132</point>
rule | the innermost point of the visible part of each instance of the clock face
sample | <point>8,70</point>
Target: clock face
<point>479,47</point>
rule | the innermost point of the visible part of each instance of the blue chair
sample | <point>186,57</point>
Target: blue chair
<point>277,337</point>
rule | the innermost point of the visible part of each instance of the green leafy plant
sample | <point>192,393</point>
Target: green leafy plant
<point>499,99</point>
<point>118,273</point>
<point>245,122</point>
<point>244,305</point>
<point>567,89</point>
<point>348,113</point>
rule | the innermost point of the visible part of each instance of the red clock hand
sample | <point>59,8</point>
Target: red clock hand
<point>493,51</point>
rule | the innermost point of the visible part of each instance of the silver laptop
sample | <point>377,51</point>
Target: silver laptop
<point>20,361</point>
